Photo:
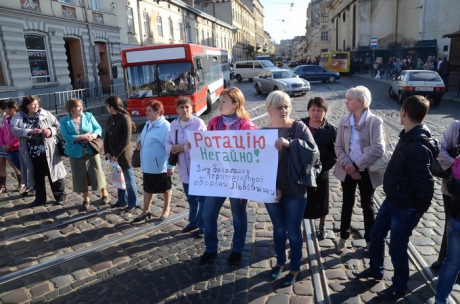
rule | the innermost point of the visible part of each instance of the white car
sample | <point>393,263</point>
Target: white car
<point>281,79</point>
<point>417,82</point>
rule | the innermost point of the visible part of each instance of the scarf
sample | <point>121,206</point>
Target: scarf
<point>229,122</point>
<point>35,143</point>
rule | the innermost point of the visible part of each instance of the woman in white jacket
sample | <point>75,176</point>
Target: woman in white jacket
<point>154,160</point>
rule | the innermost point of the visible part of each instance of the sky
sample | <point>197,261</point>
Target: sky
<point>285,19</point>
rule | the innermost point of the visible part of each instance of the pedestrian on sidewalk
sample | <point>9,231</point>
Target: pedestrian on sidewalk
<point>324,134</point>
<point>10,144</point>
<point>444,72</point>
<point>156,170</point>
<point>77,129</point>
<point>449,150</point>
<point>177,144</point>
<point>357,130</point>
<point>233,116</point>
<point>409,187</point>
<point>118,148</point>
<point>37,129</point>
<point>286,212</point>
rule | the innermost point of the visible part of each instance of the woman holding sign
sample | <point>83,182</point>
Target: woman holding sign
<point>176,143</point>
<point>232,116</point>
<point>287,211</point>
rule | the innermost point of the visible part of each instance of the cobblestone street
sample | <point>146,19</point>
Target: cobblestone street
<point>60,254</point>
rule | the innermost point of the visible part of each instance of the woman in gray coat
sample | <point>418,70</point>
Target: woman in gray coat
<point>37,130</point>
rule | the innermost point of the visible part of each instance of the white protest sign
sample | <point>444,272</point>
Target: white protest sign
<point>239,164</point>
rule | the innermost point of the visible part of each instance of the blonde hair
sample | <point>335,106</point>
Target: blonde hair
<point>276,98</point>
<point>237,98</point>
<point>362,93</point>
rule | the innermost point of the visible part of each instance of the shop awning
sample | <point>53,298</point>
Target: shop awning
<point>455,34</point>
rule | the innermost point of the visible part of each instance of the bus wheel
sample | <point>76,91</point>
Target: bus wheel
<point>239,78</point>
<point>208,104</point>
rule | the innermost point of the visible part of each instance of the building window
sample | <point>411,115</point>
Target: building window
<point>72,2</point>
<point>181,32</point>
<point>2,77</point>
<point>95,5</point>
<point>324,50</point>
<point>324,36</point>
<point>324,18</point>
<point>147,24</point>
<point>171,29</point>
<point>38,58</point>
<point>160,26</point>
<point>129,13</point>
<point>344,18</point>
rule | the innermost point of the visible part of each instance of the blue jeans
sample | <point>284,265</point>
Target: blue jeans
<point>129,195</point>
<point>400,222</point>
<point>211,210</point>
<point>195,213</point>
<point>286,216</point>
<point>14,157</point>
<point>451,265</point>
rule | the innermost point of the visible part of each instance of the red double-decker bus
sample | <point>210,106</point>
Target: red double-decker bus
<point>164,72</point>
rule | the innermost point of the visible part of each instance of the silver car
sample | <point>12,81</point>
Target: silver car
<point>417,82</point>
<point>282,79</point>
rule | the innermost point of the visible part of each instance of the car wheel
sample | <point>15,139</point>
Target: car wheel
<point>258,90</point>
<point>391,93</point>
<point>401,97</point>
<point>275,88</point>
<point>436,101</point>
<point>208,104</point>
<point>331,78</point>
<point>238,78</point>
<point>250,79</point>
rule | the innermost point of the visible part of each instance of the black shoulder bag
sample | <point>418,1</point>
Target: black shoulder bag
<point>173,158</point>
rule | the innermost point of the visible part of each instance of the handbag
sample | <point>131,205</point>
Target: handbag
<point>173,158</point>
<point>97,144</point>
<point>380,165</point>
<point>136,162</point>
<point>60,143</point>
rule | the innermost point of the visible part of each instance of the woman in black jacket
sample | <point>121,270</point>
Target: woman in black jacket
<point>324,134</point>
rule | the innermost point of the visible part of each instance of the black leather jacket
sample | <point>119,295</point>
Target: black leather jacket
<point>408,181</point>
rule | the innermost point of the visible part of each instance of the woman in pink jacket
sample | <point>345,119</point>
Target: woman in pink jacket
<point>232,116</point>
<point>10,143</point>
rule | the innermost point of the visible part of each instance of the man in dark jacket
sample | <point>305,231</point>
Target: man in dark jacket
<point>409,187</point>
<point>444,72</point>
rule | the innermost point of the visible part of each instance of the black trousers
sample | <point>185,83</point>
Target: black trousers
<point>41,170</point>
<point>367,204</point>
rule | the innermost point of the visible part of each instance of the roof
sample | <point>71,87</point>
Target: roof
<point>454,34</point>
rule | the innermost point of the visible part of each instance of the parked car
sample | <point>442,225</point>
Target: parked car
<point>315,72</point>
<point>417,82</point>
<point>294,63</point>
<point>281,79</point>
<point>251,68</point>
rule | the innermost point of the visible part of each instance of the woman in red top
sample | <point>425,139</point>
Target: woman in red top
<point>232,116</point>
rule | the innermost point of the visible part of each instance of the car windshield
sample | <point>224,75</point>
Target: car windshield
<point>266,63</point>
<point>283,74</point>
<point>160,79</point>
<point>423,76</point>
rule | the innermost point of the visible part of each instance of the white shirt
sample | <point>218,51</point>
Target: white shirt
<point>355,147</point>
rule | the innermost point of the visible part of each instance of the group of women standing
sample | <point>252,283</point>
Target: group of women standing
<point>313,136</point>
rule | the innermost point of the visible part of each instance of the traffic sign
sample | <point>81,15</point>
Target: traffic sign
<point>374,43</point>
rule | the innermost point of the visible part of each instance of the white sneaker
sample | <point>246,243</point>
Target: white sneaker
<point>341,245</point>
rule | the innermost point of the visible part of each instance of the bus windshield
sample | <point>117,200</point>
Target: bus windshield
<point>160,80</point>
